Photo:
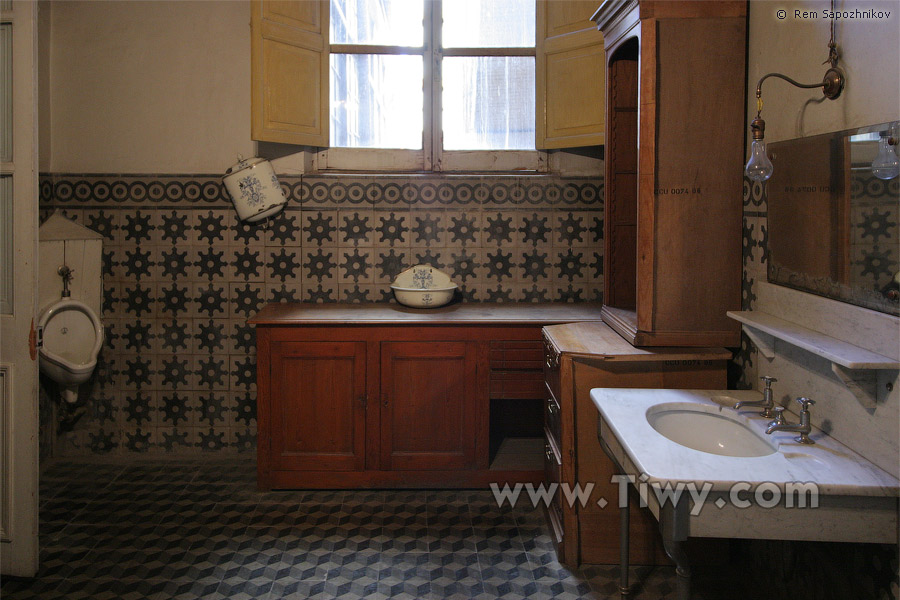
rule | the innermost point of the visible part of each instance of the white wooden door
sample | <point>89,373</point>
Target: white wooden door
<point>18,255</point>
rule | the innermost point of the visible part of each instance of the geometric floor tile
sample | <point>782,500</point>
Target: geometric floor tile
<point>198,529</point>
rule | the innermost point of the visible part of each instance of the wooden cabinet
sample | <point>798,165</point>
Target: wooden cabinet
<point>380,396</point>
<point>674,129</point>
<point>428,405</point>
<point>579,357</point>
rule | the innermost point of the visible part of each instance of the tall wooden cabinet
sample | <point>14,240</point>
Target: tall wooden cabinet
<point>674,158</point>
<point>672,249</point>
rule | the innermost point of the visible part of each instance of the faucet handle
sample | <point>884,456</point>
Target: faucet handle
<point>768,380</point>
<point>805,403</point>
<point>779,416</point>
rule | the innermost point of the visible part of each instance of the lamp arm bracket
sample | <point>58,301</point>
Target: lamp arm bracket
<point>832,84</point>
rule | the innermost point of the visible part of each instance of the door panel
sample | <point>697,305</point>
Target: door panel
<point>18,255</point>
<point>319,402</point>
<point>428,405</point>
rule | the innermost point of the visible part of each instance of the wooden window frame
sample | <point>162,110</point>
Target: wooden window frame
<point>290,67</point>
<point>431,157</point>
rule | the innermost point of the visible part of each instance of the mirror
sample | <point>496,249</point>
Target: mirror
<point>834,223</point>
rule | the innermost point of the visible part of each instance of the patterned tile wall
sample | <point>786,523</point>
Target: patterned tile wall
<point>874,222</point>
<point>755,260</point>
<point>182,275</point>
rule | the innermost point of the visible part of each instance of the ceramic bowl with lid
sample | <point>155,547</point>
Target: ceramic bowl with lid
<point>423,286</point>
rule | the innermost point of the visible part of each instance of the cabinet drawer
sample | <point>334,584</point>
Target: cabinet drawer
<point>516,385</point>
<point>551,367</point>
<point>552,468</point>
<point>518,355</point>
<point>515,369</point>
<point>555,518</point>
<point>552,460</point>
<point>551,417</point>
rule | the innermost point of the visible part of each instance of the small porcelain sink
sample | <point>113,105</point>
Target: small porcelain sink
<point>711,429</point>
<point>693,440</point>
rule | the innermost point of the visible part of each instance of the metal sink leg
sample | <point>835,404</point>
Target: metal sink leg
<point>624,539</point>
<point>673,525</point>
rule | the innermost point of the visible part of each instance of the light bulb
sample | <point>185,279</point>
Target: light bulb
<point>886,165</point>
<point>759,167</point>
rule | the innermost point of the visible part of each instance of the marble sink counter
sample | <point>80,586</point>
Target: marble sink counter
<point>834,468</point>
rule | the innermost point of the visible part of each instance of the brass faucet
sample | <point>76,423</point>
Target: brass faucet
<point>803,427</point>
<point>767,402</point>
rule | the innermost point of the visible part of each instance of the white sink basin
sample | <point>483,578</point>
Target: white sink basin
<point>694,441</point>
<point>707,429</point>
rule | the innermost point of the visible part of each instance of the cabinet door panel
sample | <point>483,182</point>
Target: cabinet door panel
<point>428,405</point>
<point>318,422</point>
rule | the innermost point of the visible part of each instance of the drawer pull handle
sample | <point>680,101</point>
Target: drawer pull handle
<point>548,452</point>
<point>551,355</point>
<point>551,407</point>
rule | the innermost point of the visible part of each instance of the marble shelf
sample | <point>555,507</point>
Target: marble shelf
<point>853,365</point>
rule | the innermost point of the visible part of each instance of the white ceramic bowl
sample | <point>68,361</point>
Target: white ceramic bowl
<point>423,286</point>
<point>423,298</point>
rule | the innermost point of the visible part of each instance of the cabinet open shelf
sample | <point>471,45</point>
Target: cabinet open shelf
<point>519,454</point>
<point>516,434</point>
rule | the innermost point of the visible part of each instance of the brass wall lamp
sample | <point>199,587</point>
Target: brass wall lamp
<point>759,167</point>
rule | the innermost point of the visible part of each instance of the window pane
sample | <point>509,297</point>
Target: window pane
<point>379,22</point>
<point>488,23</point>
<point>488,103</point>
<point>376,101</point>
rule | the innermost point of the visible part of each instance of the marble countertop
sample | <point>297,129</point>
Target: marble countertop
<point>834,468</point>
<point>459,313</point>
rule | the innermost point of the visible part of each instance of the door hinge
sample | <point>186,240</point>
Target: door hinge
<point>35,339</point>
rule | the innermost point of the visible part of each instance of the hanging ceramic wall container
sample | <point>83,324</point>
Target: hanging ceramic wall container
<point>254,189</point>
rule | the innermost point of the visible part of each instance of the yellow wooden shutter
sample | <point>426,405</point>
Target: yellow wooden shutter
<point>571,68</point>
<point>289,71</point>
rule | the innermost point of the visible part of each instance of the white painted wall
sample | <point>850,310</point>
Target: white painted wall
<point>797,47</point>
<point>147,87</point>
<point>139,86</point>
<point>869,51</point>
